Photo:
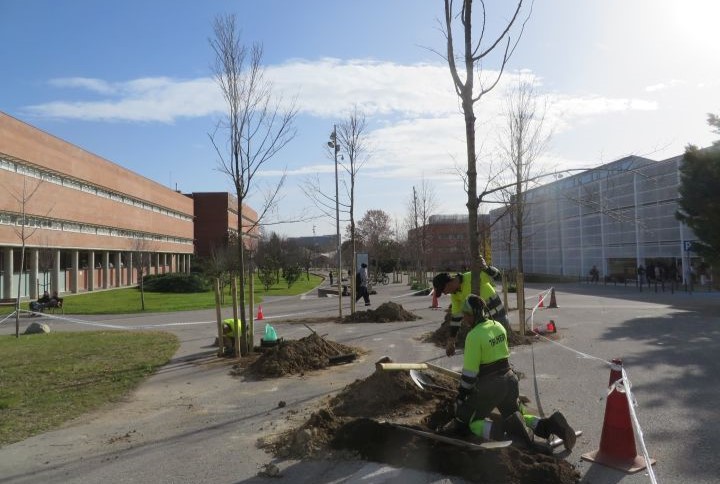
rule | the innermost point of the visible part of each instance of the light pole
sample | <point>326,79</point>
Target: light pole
<point>336,147</point>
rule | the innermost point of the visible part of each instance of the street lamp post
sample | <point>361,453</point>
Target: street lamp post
<point>336,147</point>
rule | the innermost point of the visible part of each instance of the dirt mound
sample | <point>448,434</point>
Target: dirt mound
<point>295,357</point>
<point>386,394</point>
<point>345,427</point>
<point>440,336</point>
<point>385,313</point>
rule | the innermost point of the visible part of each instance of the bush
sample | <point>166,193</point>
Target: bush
<point>416,286</point>
<point>179,283</point>
<point>291,274</point>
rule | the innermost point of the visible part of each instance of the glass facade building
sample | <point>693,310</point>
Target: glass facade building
<point>615,217</point>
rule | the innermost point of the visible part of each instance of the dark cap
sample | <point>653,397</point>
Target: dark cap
<point>363,265</point>
<point>439,282</point>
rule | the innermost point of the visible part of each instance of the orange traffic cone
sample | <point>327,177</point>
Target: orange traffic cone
<point>540,298</point>
<point>617,442</point>
<point>260,315</point>
<point>548,328</point>
<point>435,303</point>
<point>553,301</point>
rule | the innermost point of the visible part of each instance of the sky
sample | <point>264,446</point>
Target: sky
<point>132,82</point>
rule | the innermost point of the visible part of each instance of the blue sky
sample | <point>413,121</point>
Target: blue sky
<point>131,81</point>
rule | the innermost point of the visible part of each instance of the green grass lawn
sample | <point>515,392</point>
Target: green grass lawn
<point>127,300</point>
<point>48,379</point>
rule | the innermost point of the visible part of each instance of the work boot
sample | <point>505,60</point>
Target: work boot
<point>515,428</point>
<point>556,425</point>
<point>454,428</point>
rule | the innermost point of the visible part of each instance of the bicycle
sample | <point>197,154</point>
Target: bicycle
<point>380,278</point>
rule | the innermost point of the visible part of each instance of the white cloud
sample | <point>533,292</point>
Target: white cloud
<point>661,86</point>
<point>146,100</point>
<point>95,85</point>
<point>324,88</point>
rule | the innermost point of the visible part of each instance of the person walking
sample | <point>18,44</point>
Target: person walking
<point>361,283</point>
<point>459,287</point>
<point>331,278</point>
<point>488,382</point>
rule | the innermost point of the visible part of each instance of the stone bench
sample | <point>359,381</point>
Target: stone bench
<point>323,292</point>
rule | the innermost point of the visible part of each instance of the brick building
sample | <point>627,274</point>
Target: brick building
<point>445,246</point>
<point>85,217</point>
<point>216,221</point>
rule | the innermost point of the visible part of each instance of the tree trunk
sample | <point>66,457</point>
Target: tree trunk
<point>241,257</point>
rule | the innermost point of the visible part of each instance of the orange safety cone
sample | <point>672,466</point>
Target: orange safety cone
<point>540,298</point>
<point>435,303</point>
<point>553,301</point>
<point>260,315</point>
<point>617,442</point>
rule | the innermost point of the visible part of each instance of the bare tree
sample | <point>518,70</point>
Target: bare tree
<point>255,128</point>
<point>46,260</point>
<point>476,51</point>
<point>23,232</point>
<point>524,138</point>
<point>351,140</point>
<point>142,250</point>
<point>352,137</point>
<point>420,206</point>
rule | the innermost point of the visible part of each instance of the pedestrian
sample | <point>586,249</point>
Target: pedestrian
<point>41,303</point>
<point>488,382</point>
<point>361,284</point>
<point>331,278</point>
<point>459,287</point>
<point>640,274</point>
<point>594,274</point>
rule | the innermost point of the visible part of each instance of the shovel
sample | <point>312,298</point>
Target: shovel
<point>423,381</point>
<point>340,357</point>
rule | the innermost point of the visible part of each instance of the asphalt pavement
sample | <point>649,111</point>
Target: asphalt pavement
<point>194,422</point>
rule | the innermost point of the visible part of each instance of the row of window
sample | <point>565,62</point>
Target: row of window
<point>9,218</point>
<point>83,186</point>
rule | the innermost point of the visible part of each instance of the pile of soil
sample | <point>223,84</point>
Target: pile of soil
<point>295,357</point>
<point>355,423</point>
<point>385,313</point>
<point>440,336</point>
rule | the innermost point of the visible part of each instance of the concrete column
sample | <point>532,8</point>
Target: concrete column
<point>91,270</point>
<point>582,245</point>
<point>156,262</point>
<point>8,274</point>
<point>55,272</point>
<point>75,277</point>
<point>187,265</point>
<point>165,263</point>
<point>638,252</point>
<point>604,262</point>
<point>129,268</point>
<point>106,269</point>
<point>34,263</point>
<point>181,263</point>
<point>118,270</point>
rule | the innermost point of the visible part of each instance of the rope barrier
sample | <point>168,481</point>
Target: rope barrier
<point>7,317</point>
<point>632,403</point>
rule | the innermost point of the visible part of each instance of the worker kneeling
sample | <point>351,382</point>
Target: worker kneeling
<point>488,382</point>
<point>231,331</point>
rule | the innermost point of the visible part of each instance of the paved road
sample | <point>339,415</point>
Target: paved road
<point>193,422</point>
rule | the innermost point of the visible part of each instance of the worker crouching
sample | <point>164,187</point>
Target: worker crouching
<point>488,382</point>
